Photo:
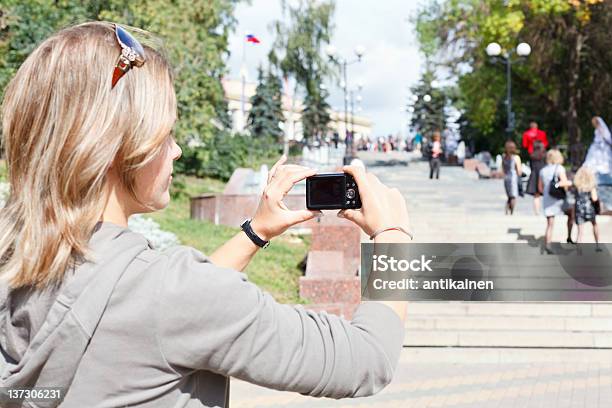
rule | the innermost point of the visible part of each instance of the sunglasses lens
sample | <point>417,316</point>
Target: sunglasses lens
<point>126,39</point>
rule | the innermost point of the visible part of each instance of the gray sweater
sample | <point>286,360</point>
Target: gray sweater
<point>141,327</point>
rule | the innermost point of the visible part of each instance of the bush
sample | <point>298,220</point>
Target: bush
<point>4,193</point>
<point>226,153</point>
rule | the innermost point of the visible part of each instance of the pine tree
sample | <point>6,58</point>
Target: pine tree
<point>266,107</point>
<point>428,115</point>
<point>315,116</point>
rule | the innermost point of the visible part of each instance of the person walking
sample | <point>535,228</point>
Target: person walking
<point>533,134</point>
<point>536,163</point>
<point>586,203</point>
<point>435,153</point>
<point>599,155</point>
<point>552,186</point>
<point>512,168</point>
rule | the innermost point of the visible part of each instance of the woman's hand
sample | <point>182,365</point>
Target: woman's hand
<point>272,216</point>
<point>381,206</point>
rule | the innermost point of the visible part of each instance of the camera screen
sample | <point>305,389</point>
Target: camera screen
<point>327,191</point>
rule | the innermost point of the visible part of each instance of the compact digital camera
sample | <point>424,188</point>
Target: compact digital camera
<point>332,191</point>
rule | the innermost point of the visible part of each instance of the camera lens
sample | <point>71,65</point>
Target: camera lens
<point>350,193</point>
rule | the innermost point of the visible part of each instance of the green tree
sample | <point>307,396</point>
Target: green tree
<point>566,79</point>
<point>316,113</point>
<point>266,112</point>
<point>429,114</point>
<point>195,38</point>
<point>299,44</point>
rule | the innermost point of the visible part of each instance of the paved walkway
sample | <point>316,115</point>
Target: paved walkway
<point>422,384</point>
<point>460,208</point>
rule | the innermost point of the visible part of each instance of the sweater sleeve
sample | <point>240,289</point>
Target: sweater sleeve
<point>214,319</point>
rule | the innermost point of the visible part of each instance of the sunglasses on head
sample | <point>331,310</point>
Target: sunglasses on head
<point>132,54</point>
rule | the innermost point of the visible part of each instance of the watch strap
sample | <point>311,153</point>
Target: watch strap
<point>248,230</point>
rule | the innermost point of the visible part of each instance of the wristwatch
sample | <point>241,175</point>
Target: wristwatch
<point>248,230</point>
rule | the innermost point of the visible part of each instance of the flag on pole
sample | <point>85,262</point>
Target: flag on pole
<point>252,39</point>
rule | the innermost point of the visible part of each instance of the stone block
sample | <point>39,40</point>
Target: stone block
<point>338,236</point>
<point>235,184</point>
<point>335,290</point>
<point>233,209</point>
<point>324,264</point>
<point>204,207</point>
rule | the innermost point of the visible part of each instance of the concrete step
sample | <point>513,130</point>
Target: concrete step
<point>504,324</point>
<point>515,338</point>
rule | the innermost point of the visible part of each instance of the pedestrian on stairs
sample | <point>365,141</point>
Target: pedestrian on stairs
<point>435,153</point>
<point>553,193</point>
<point>586,202</point>
<point>512,168</point>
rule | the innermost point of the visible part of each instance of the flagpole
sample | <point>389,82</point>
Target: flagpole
<point>243,75</point>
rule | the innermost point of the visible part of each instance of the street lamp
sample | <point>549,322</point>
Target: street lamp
<point>494,50</point>
<point>332,54</point>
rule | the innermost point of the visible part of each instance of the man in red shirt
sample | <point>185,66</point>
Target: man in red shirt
<point>534,136</point>
<point>531,135</point>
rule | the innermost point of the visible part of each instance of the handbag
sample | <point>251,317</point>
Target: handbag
<point>554,190</point>
<point>597,206</point>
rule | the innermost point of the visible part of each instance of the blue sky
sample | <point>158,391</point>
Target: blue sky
<point>391,64</point>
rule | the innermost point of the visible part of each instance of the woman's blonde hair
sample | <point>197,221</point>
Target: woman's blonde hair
<point>554,156</point>
<point>63,127</point>
<point>510,147</point>
<point>584,180</point>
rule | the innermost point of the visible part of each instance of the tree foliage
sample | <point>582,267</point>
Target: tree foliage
<point>564,82</point>
<point>428,116</point>
<point>316,114</point>
<point>195,37</point>
<point>266,112</point>
<point>298,48</point>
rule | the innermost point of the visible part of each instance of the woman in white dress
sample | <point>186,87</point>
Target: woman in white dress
<point>552,206</point>
<point>599,156</point>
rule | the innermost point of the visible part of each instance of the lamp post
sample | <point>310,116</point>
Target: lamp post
<point>344,63</point>
<point>494,50</point>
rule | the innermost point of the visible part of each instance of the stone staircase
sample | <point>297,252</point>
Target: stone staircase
<point>462,208</point>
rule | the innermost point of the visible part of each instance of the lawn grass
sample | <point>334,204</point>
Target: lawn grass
<point>274,269</point>
<point>3,170</point>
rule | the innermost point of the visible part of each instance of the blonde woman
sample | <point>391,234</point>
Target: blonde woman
<point>553,205</point>
<point>586,197</point>
<point>90,307</point>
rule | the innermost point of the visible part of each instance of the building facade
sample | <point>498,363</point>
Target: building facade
<point>292,111</point>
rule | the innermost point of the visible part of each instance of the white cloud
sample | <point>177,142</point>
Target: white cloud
<point>392,61</point>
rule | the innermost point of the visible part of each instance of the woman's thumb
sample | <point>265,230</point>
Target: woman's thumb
<point>304,215</point>
<point>352,215</point>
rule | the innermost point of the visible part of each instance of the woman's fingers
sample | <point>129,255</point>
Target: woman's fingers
<point>302,215</point>
<point>275,167</point>
<point>355,216</point>
<point>291,179</point>
<point>288,176</point>
<point>362,180</point>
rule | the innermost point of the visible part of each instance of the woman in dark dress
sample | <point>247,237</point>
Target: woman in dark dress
<point>537,162</point>
<point>586,196</point>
